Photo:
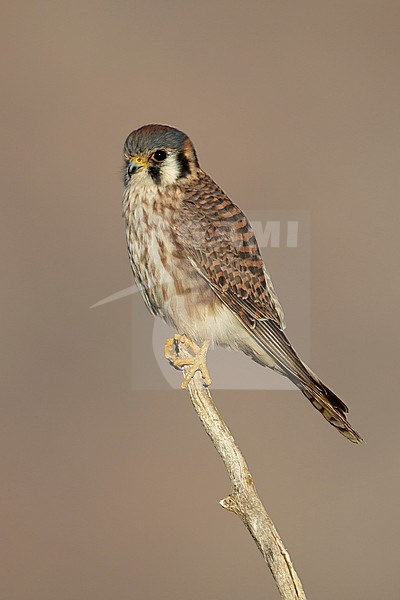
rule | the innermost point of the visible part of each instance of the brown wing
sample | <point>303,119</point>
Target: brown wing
<point>220,243</point>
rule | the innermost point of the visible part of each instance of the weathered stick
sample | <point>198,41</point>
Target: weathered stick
<point>244,500</point>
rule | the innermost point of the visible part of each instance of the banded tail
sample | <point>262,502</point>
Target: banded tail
<point>275,343</point>
<point>330,407</point>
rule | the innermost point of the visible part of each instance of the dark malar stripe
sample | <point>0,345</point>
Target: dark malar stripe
<point>154,171</point>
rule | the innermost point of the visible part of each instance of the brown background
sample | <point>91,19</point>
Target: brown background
<point>108,494</point>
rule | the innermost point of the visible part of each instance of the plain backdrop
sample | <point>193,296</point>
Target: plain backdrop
<point>108,493</point>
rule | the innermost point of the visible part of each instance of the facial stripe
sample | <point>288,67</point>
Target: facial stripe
<point>155,173</point>
<point>183,164</point>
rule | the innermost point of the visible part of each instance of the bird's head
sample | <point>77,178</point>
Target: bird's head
<point>158,155</point>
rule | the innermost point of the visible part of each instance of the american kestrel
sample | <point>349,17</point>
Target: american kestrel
<point>197,264</point>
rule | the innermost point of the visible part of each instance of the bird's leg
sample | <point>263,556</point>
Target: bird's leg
<point>197,362</point>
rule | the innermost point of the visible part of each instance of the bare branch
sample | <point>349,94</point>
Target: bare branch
<point>244,500</point>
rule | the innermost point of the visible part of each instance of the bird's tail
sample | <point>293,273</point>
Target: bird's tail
<point>285,360</point>
<point>329,405</point>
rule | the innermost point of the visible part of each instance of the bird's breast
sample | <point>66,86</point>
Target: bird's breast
<point>169,284</point>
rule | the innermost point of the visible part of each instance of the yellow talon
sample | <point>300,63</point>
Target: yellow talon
<point>196,362</point>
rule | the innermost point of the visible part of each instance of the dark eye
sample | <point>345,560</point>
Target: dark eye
<point>159,155</point>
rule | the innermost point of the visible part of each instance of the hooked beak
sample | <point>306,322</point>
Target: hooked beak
<point>136,163</point>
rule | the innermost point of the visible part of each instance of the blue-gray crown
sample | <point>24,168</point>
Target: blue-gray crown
<point>150,137</point>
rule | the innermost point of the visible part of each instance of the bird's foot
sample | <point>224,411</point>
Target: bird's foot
<point>197,362</point>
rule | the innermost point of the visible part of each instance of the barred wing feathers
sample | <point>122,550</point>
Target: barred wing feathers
<point>219,242</point>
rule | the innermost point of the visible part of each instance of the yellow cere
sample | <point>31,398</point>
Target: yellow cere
<point>139,161</point>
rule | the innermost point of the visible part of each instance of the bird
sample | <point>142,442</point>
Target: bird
<point>197,264</point>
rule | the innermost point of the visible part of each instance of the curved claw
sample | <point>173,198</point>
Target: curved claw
<point>197,362</point>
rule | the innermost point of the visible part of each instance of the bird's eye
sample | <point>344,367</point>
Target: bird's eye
<point>159,155</point>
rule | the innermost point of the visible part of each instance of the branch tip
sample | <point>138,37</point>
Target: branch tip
<point>229,503</point>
